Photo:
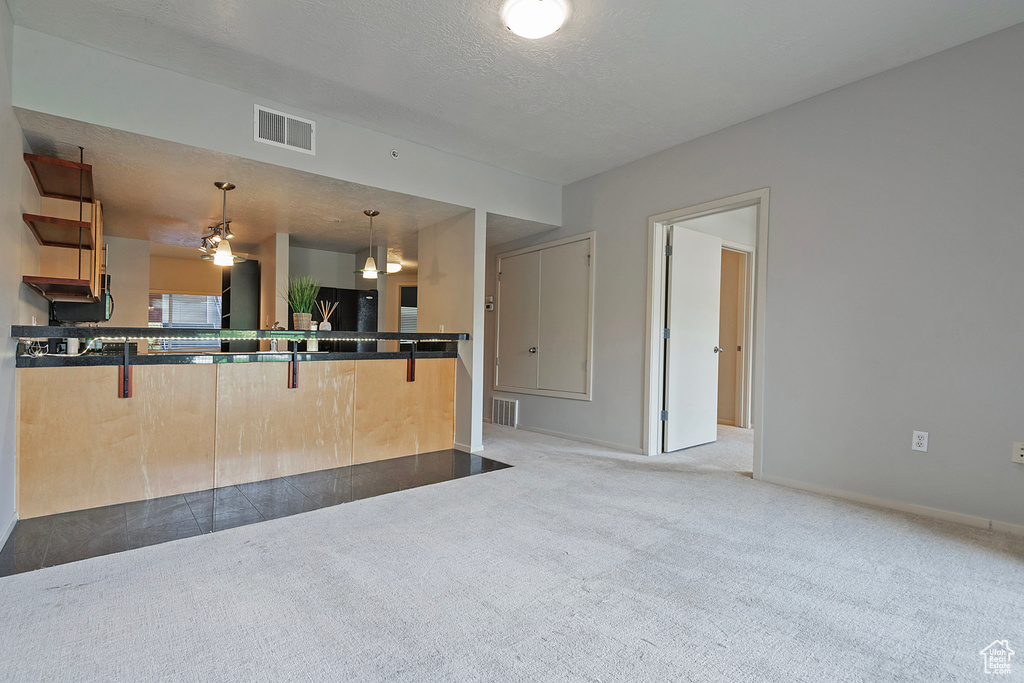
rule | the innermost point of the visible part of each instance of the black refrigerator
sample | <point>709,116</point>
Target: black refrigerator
<point>356,312</point>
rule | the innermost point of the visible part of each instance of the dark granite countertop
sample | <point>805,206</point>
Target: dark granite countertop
<point>93,359</point>
<point>121,333</point>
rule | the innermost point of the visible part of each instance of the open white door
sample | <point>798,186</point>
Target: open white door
<point>691,350</point>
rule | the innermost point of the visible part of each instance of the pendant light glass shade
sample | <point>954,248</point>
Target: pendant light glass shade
<point>393,267</point>
<point>370,269</point>
<point>223,257</point>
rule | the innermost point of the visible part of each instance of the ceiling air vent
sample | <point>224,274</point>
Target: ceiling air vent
<point>283,130</point>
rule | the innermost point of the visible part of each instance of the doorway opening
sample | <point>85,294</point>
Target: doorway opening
<point>735,330</point>
<point>705,331</point>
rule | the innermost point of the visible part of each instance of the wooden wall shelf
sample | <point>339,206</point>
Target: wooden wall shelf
<point>60,288</point>
<point>59,179</point>
<point>59,232</point>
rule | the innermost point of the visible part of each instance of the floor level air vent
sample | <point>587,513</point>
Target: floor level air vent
<point>505,411</point>
<point>283,130</point>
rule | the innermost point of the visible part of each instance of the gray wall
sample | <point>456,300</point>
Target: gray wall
<point>450,286</point>
<point>332,268</point>
<point>894,290</point>
<point>82,83</point>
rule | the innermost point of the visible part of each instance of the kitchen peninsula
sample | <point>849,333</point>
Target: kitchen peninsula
<point>102,428</point>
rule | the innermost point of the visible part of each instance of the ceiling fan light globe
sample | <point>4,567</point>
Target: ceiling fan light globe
<point>534,19</point>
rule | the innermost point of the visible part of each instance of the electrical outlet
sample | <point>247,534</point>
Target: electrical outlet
<point>920,442</point>
<point>1018,452</point>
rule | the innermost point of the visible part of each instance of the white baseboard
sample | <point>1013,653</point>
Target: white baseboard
<point>468,449</point>
<point>913,508</point>
<point>8,528</point>
<point>583,439</point>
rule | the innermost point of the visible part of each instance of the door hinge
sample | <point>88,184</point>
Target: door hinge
<point>666,333</point>
<point>668,250</point>
<point>739,348</point>
<point>497,362</point>
<point>499,276</point>
<point>588,259</point>
<point>664,416</point>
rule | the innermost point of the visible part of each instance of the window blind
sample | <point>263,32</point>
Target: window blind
<point>184,310</point>
<point>407,311</point>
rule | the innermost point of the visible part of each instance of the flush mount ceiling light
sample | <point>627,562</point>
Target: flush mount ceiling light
<point>215,246</point>
<point>394,267</point>
<point>369,269</point>
<point>534,18</point>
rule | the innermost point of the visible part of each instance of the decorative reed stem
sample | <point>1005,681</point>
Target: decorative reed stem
<point>326,311</point>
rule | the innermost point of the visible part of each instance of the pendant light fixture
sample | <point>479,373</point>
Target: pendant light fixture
<point>369,269</point>
<point>215,246</point>
<point>534,18</point>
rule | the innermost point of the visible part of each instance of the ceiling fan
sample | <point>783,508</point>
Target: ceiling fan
<point>215,245</point>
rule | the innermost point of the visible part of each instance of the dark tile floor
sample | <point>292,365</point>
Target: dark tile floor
<point>57,539</point>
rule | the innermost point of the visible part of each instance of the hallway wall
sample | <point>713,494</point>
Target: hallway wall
<point>894,254</point>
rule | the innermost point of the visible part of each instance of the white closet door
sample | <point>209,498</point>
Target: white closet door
<point>518,294</point>
<point>564,317</point>
<point>691,358</point>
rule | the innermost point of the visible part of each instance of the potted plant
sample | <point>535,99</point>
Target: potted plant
<point>301,296</point>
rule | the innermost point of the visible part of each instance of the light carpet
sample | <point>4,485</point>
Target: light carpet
<point>580,563</point>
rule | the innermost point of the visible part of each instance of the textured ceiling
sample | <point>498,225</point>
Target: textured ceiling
<point>163,191</point>
<point>621,79</point>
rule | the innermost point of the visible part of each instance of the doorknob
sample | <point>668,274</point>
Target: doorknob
<point>719,349</point>
<point>533,349</point>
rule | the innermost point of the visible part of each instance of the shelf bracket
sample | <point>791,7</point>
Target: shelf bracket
<point>125,375</point>
<point>410,368</point>
<point>293,367</point>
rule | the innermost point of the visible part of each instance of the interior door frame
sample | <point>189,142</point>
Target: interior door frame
<point>590,236</point>
<point>654,357</point>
